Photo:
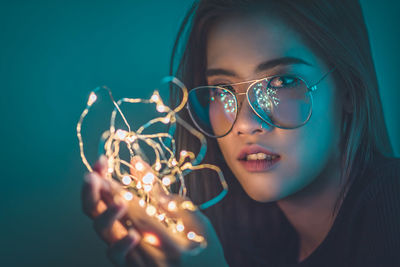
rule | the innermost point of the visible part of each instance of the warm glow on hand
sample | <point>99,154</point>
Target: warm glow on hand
<point>144,182</point>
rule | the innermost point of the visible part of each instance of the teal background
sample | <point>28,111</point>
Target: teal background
<point>52,53</point>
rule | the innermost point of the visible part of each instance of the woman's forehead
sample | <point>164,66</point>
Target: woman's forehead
<point>242,43</point>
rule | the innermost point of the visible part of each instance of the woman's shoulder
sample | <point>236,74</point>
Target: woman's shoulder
<point>384,163</point>
<point>384,177</point>
<point>381,195</point>
<point>377,226</point>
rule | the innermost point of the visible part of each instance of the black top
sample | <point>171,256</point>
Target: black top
<point>366,230</point>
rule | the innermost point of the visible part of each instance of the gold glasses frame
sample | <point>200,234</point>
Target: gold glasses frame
<point>310,89</point>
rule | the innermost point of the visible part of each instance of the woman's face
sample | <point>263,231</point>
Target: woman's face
<point>238,48</point>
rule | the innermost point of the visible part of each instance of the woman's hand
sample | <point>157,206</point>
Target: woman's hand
<point>145,242</point>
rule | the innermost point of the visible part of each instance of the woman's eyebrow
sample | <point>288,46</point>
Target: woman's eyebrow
<point>280,61</point>
<point>220,71</point>
<point>261,67</point>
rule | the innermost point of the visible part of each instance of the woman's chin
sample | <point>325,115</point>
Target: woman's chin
<point>263,193</point>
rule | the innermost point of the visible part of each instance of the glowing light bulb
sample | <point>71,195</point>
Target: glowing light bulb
<point>131,139</point>
<point>92,99</point>
<point>121,134</point>
<point>172,206</point>
<point>155,97</point>
<point>174,162</point>
<point>191,235</point>
<point>139,166</point>
<point>151,210</point>
<point>161,108</point>
<point>166,181</point>
<point>151,238</point>
<point>180,227</point>
<point>166,120</point>
<point>161,217</point>
<point>126,180</point>
<point>184,153</point>
<point>139,185</point>
<point>128,196</point>
<point>110,170</point>
<point>188,205</point>
<point>142,203</point>
<point>158,166</point>
<point>147,187</point>
<point>148,178</point>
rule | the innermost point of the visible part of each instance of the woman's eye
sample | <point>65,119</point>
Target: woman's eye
<point>221,92</point>
<point>227,87</point>
<point>283,81</point>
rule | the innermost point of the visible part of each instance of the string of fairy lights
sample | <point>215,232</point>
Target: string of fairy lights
<point>144,180</point>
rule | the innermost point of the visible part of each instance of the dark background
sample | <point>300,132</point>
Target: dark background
<point>52,53</point>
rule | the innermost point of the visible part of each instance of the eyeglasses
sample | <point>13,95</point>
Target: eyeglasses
<point>283,101</point>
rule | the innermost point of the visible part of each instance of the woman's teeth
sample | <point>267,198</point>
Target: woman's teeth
<point>260,156</point>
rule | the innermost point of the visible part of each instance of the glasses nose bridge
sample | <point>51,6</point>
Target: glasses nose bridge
<point>240,98</point>
<point>242,94</point>
<point>247,120</point>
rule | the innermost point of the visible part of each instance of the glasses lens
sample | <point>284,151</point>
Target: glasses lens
<point>284,101</point>
<point>213,109</point>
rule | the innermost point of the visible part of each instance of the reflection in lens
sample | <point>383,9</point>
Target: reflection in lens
<point>213,109</point>
<point>266,98</point>
<point>286,104</point>
<point>262,100</point>
<point>283,101</point>
<point>222,111</point>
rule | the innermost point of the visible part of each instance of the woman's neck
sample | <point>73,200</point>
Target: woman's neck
<point>310,210</point>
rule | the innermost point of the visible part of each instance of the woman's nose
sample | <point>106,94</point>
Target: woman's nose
<point>247,121</point>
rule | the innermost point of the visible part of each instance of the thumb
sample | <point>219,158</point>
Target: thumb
<point>101,166</point>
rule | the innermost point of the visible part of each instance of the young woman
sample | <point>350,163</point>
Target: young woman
<point>287,93</point>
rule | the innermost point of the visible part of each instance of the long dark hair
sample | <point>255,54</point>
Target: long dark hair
<point>336,32</point>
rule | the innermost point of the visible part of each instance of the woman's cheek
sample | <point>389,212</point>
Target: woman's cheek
<point>305,152</point>
<point>309,150</point>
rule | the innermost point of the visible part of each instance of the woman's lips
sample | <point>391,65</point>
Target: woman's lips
<point>255,158</point>
<point>259,165</point>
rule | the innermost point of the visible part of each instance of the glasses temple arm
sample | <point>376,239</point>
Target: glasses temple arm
<point>314,87</point>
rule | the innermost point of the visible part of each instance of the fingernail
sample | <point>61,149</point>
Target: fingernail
<point>100,164</point>
<point>103,159</point>
<point>88,177</point>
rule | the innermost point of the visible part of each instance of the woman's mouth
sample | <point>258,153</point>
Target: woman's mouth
<point>257,159</point>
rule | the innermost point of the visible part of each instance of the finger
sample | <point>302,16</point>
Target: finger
<point>153,231</point>
<point>119,250</point>
<point>96,189</point>
<point>90,195</point>
<point>160,237</point>
<point>104,223</point>
<point>101,166</point>
<point>107,188</point>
